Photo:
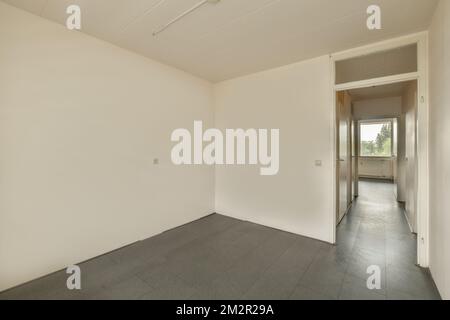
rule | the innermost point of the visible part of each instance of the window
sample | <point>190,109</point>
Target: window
<point>376,139</point>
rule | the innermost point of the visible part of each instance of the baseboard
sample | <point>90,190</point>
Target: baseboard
<point>405,213</point>
<point>273,226</point>
<point>376,177</point>
<point>346,212</point>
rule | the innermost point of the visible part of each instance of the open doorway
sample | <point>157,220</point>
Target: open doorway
<point>398,62</point>
<point>377,141</point>
<point>377,170</point>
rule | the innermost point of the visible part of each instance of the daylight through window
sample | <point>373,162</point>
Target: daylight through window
<point>376,139</point>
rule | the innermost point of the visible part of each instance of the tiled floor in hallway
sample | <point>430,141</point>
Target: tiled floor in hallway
<point>376,232</point>
<point>223,258</point>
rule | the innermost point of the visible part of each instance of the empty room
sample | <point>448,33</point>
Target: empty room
<point>224,150</point>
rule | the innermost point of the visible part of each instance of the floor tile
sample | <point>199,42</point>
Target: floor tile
<point>218,257</point>
<point>355,288</point>
<point>128,289</point>
<point>305,293</point>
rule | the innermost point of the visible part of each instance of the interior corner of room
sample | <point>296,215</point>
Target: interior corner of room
<point>86,119</point>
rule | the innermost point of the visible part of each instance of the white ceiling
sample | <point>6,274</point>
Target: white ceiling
<point>378,92</point>
<point>237,37</point>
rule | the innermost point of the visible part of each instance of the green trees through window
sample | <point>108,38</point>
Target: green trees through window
<point>376,139</point>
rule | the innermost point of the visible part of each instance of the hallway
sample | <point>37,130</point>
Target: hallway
<point>376,232</point>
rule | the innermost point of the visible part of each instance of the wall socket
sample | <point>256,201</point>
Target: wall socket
<point>318,163</point>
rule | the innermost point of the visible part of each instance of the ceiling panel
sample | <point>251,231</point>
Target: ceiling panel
<point>379,92</point>
<point>237,37</point>
<point>33,6</point>
<point>101,18</point>
<point>188,31</point>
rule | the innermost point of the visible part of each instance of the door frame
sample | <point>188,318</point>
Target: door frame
<point>421,39</point>
<point>338,164</point>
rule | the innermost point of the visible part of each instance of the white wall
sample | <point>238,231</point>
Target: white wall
<point>80,124</point>
<point>440,148</point>
<point>377,108</point>
<point>376,167</point>
<point>296,99</point>
<point>400,177</point>
<point>376,65</point>
<point>409,161</point>
<point>344,146</point>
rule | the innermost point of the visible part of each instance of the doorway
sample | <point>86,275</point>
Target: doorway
<point>378,227</point>
<point>417,72</point>
<point>377,142</point>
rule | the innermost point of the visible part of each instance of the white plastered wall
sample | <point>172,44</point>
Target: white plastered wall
<point>296,100</point>
<point>81,122</point>
<point>409,110</point>
<point>439,151</point>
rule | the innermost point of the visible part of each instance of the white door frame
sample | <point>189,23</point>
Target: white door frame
<point>421,39</point>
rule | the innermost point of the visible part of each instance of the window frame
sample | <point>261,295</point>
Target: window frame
<point>376,121</point>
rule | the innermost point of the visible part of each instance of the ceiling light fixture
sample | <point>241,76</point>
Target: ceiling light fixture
<point>185,13</point>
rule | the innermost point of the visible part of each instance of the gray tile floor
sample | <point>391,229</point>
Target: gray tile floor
<point>223,258</point>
